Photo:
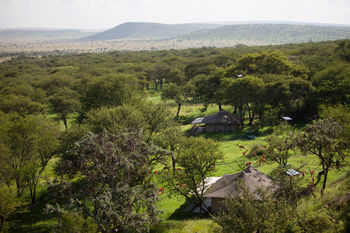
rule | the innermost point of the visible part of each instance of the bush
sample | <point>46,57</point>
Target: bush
<point>257,151</point>
<point>75,223</point>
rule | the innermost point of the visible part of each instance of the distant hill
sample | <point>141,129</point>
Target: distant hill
<point>148,31</point>
<point>250,34</point>
<point>42,34</point>
<point>271,33</point>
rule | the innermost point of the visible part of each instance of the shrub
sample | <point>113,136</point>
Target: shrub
<point>257,151</point>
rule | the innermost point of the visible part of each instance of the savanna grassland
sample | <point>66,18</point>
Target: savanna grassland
<point>101,142</point>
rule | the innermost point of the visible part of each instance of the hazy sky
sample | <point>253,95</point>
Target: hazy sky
<point>97,14</point>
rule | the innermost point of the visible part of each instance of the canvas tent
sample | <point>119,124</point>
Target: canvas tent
<point>219,122</point>
<point>225,187</point>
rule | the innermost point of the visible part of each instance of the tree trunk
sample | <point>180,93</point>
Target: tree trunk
<point>64,118</point>
<point>251,115</point>
<point>19,193</point>
<point>33,194</point>
<point>220,107</point>
<point>241,115</point>
<point>173,161</point>
<point>156,85</point>
<point>324,181</point>
<point>161,83</point>
<point>178,111</point>
<point>2,221</point>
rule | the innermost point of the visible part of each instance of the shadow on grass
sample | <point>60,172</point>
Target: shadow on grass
<point>33,219</point>
<point>180,214</point>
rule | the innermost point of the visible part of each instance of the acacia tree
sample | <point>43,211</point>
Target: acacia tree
<point>30,143</point>
<point>281,142</point>
<point>196,159</point>
<point>323,138</point>
<point>64,102</point>
<point>208,88</point>
<point>244,92</point>
<point>116,190</point>
<point>177,93</point>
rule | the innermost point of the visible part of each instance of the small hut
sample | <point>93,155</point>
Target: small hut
<point>225,187</point>
<point>219,122</point>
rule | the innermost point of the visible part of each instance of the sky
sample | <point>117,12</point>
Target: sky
<point>103,14</point>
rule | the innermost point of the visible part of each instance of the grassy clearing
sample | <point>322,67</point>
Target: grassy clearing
<point>197,225</point>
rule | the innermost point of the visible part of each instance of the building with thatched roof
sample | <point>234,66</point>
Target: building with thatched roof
<point>226,187</point>
<point>219,122</point>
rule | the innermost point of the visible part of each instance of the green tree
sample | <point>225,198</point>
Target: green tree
<point>209,88</point>
<point>64,102</point>
<point>8,204</point>
<point>322,138</point>
<point>179,94</point>
<point>114,119</point>
<point>245,92</point>
<point>333,84</point>
<point>339,114</point>
<point>113,90</point>
<point>196,158</point>
<point>21,105</point>
<point>116,188</point>
<point>31,142</point>
<point>281,142</point>
<point>260,63</point>
<point>257,212</point>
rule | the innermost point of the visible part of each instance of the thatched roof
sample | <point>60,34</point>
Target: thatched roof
<point>221,117</point>
<point>250,177</point>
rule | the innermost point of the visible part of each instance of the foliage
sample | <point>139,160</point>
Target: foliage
<point>109,91</point>
<point>261,63</point>
<point>74,223</point>
<point>257,151</point>
<point>339,114</point>
<point>247,213</point>
<point>177,93</point>
<point>116,180</point>
<point>323,139</point>
<point>8,204</point>
<point>21,105</point>
<point>280,143</point>
<point>196,159</point>
<point>65,102</point>
<point>30,143</point>
<point>242,92</point>
<point>114,119</point>
<point>333,84</point>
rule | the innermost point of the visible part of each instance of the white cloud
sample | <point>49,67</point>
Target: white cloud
<point>108,13</point>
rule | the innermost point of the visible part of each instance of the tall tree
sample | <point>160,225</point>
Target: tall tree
<point>196,159</point>
<point>65,102</point>
<point>113,90</point>
<point>245,92</point>
<point>322,138</point>
<point>31,142</point>
<point>117,191</point>
<point>179,94</point>
<point>281,143</point>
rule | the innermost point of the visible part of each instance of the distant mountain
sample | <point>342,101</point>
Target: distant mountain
<point>250,34</point>
<point>271,33</point>
<point>42,34</point>
<point>148,31</point>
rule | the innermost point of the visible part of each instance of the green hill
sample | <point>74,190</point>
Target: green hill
<point>148,31</point>
<point>271,33</point>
